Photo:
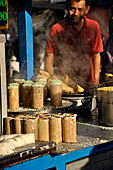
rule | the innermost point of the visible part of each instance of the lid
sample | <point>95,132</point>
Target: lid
<point>56,82</point>
<point>28,82</point>
<point>41,80</point>
<point>19,80</point>
<point>38,84</point>
<point>13,85</point>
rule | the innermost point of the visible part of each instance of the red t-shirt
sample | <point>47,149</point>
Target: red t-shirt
<point>74,50</point>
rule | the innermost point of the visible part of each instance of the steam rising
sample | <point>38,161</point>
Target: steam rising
<point>72,55</point>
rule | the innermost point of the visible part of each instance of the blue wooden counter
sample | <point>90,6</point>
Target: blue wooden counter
<point>59,161</point>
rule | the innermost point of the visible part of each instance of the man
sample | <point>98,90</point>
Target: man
<point>74,46</point>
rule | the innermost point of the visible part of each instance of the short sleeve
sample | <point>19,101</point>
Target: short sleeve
<point>98,44</point>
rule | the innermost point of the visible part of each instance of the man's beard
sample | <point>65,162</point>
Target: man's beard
<point>75,20</point>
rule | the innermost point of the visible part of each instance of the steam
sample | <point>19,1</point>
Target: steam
<point>72,56</point>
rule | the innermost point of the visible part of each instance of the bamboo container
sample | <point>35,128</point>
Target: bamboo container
<point>22,117</point>
<point>55,127</point>
<point>30,125</point>
<point>44,82</point>
<point>36,129</point>
<point>56,92</point>
<point>43,129</point>
<point>13,96</point>
<point>20,83</point>
<point>26,94</point>
<point>37,91</point>
<point>18,125</point>
<point>8,125</point>
<point>69,128</point>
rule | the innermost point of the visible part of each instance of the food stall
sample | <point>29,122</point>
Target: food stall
<point>64,133</point>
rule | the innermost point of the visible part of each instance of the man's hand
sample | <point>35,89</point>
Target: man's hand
<point>96,64</point>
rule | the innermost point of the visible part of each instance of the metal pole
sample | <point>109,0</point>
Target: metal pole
<point>25,39</point>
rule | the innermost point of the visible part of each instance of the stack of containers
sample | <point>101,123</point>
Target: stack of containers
<point>30,94</point>
<point>46,127</point>
<point>55,128</point>
<point>34,94</point>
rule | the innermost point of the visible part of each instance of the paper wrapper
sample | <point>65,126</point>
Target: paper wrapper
<point>69,129</point>
<point>43,129</point>
<point>55,129</point>
<point>18,125</point>
<point>13,95</point>
<point>8,125</point>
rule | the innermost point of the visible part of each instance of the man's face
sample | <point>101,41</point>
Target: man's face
<point>77,11</point>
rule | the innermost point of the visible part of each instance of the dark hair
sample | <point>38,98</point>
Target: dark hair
<point>68,2</point>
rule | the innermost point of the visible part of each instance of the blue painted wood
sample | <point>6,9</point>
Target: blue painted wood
<point>59,161</point>
<point>25,39</point>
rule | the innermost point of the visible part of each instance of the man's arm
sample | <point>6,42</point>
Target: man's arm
<point>96,63</point>
<point>49,58</point>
